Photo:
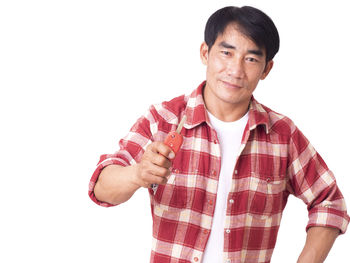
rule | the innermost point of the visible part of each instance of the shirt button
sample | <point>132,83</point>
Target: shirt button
<point>236,172</point>
<point>176,171</point>
<point>268,179</point>
<point>206,231</point>
<point>210,202</point>
<point>195,259</point>
<point>228,231</point>
<point>213,172</point>
<point>215,141</point>
<point>231,201</point>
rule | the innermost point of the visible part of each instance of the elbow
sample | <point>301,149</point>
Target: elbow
<point>108,196</point>
<point>103,195</point>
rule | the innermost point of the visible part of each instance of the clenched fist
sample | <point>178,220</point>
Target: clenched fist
<point>154,165</point>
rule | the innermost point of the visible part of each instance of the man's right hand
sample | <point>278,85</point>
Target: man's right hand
<point>116,184</point>
<point>154,165</point>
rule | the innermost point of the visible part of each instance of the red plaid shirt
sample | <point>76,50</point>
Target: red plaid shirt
<point>275,160</point>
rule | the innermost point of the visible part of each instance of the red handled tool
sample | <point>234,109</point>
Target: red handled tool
<point>174,140</point>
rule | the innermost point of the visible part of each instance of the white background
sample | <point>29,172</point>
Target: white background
<point>74,77</point>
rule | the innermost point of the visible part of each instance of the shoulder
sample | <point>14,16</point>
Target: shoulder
<point>169,111</point>
<point>279,123</point>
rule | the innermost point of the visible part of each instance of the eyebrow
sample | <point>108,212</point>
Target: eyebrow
<point>257,52</point>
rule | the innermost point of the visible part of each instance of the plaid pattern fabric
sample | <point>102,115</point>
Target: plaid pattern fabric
<point>275,160</point>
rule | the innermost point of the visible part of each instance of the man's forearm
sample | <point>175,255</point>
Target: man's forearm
<point>319,241</point>
<point>115,184</point>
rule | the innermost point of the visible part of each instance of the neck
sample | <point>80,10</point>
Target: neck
<point>227,112</point>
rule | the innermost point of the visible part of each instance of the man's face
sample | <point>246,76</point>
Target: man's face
<point>235,64</point>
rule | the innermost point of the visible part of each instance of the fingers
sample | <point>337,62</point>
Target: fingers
<point>159,154</point>
<point>155,170</point>
<point>163,149</point>
<point>158,159</point>
<point>153,174</point>
<point>155,164</point>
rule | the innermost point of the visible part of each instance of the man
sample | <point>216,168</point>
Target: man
<point>220,199</point>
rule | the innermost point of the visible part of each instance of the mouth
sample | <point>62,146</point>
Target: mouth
<point>231,85</point>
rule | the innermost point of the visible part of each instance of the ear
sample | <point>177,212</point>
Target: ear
<point>267,69</point>
<point>204,53</point>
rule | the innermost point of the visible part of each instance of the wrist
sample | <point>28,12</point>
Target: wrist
<point>307,256</point>
<point>135,171</point>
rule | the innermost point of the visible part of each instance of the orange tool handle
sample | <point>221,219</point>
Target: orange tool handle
<point>174,141</point>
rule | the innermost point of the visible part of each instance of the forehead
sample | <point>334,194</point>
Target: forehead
<point>234,34</point>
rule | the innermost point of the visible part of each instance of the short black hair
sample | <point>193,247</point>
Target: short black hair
<point>251,21</point>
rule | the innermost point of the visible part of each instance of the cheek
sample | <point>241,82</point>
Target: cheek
<point>215,65</point>
<point>253,83</point>
<point>255,75</point>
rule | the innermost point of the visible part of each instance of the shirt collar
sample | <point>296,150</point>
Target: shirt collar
<point>196,111</point>
<point>258,115</point>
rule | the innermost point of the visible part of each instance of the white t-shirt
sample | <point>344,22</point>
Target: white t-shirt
<point>230,136</point>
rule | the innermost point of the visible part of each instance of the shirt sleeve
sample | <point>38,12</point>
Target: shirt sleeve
<point>131,149</point>
<point>312,181</point>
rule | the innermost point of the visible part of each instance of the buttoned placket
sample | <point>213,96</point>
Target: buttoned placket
<point>213,172</point>
<point>231,200</point>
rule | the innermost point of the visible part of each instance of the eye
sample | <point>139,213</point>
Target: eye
<point>226,53</point>
<point>251,59</point>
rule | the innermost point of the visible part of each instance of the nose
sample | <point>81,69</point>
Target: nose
<point>235,68</point>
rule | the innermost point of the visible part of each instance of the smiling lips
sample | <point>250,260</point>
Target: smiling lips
<point>231,85</point>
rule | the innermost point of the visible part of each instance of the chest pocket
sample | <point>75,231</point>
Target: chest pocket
<point>265,195</point>
<point>177,194</point>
